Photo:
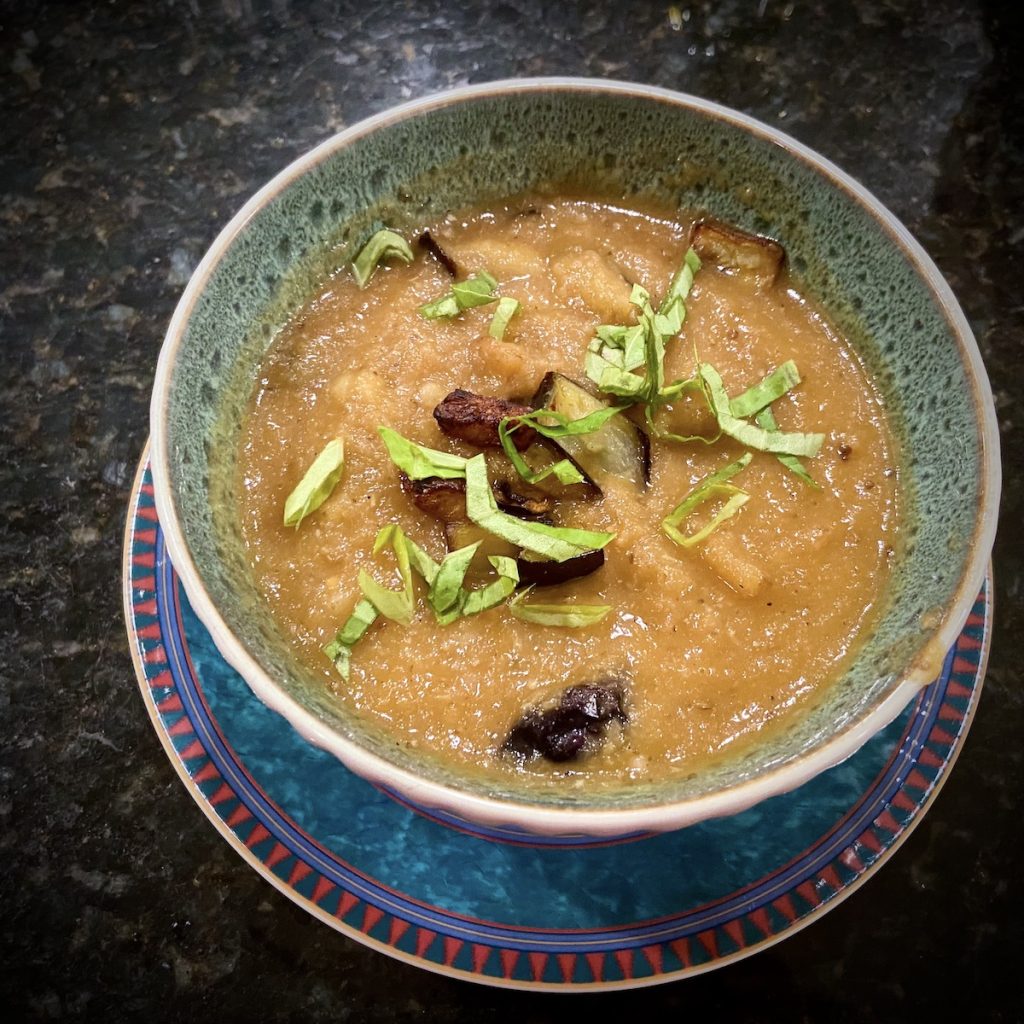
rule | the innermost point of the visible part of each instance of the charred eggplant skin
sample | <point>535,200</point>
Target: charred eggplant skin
<point>624,449</point>
<point>548,574</point>
<point>446,499</point>
<point>442,499</point>
<point>428,243</point>
<point>731,249</point>
<point>564,732</point>
<point>475,418</point>
<point>525,506</point>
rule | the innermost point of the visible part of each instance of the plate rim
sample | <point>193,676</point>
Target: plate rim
<point>353,932</point>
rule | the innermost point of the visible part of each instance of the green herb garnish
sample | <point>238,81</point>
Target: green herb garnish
<point>493,594</point>
<point>712,486</point>
<point>616,351</point>
<point>339,650</point>
<point>571,615</point>
<point>317,484</point>
<point>507,308</point>
<point>541,421</point>
<point>474,291</point>
<point>397,605</point>
<point>384,245</point>
<point>558,543</point>
<point>754,437</point>
<point>766,420</point>
<point>419,462</point>
<point>774,386</point>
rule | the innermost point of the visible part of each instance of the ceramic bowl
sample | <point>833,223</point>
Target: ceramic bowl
<point>480,144</point>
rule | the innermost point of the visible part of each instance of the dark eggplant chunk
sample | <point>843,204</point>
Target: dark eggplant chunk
<point>427,242</point>
<point>526,506</point>
<point>753,256</point>
<point>446,499</point>
<point>545,573</point>
<point>577,722</point>
<point>619,448</point>
<point>475,419</point>
<point>442,499</point>
<point>543,454</point>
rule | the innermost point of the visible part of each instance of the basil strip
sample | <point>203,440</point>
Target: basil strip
<point>674,303</point>
<point>316,485</point>
<point>774,386</point>
<point>712,486</point>
<point>616,351</point>
<point>558,543</point>
<point>397,605</point>
<point>474,291</point>
<point>472,602</point>
<point>385,244</point>
<point>507,308</point>
<point>447,583</point>
<point>419,462</point>
<point>493,594</point>
<point>737,498</point>
<point>766,419</point>
<point>563,470</point>
<point>754,437</point>
<point>575,616</point>
<point>339,650</point>
<point>422,562</point>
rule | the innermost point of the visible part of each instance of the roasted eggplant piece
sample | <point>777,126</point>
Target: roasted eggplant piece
<point>475,418</point>
<point>442,499</point>
<point>429,243</point>
<point>620,448</point>
<point>755,257</point>
<point>534,505</point>
<point>543,454</point>
<point>539,572</point>
<point>577,723</point>
<point>446,499</point>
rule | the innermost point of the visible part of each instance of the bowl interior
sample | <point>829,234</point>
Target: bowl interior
<point>484,145</point>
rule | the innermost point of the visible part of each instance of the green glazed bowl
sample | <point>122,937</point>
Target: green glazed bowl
<point>481,144</point>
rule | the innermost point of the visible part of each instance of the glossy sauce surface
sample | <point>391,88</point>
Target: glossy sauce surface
<point>711,644</point>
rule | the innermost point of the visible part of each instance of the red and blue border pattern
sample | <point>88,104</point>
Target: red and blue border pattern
<point>645,952</point>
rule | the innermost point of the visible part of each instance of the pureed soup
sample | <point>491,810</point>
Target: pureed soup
<point>678,557</point>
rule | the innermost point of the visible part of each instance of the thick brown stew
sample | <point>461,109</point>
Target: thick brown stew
<point>716,627</point>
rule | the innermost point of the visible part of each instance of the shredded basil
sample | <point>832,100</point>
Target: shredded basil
<point>339,650</point>
<point>558,543</point>
<point>616,351</point>
<point>754,437</point>
<point>385,244</point>
<point>397,605</point>
<point>774,386</point>
<point>419,462</point>
<point>316,485</point>
<point>446,585</point>
<point>493,594</point>
<point>766,420</point>
<point>563,470</point>
<point>507,308</point>
<point>712,486</point>
<point>474,291</point>
<point>575,616</point>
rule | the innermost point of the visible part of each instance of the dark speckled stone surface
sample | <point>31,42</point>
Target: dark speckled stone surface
<point>131,132</point>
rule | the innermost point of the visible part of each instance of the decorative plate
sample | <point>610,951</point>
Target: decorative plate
<point>507,909</point>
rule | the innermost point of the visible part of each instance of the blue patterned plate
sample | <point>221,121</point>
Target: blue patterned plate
<point>508,910</point>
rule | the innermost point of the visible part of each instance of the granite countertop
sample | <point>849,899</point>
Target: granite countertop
<point>132,133</point>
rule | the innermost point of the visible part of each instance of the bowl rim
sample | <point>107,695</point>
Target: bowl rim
<point>566,820</point>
